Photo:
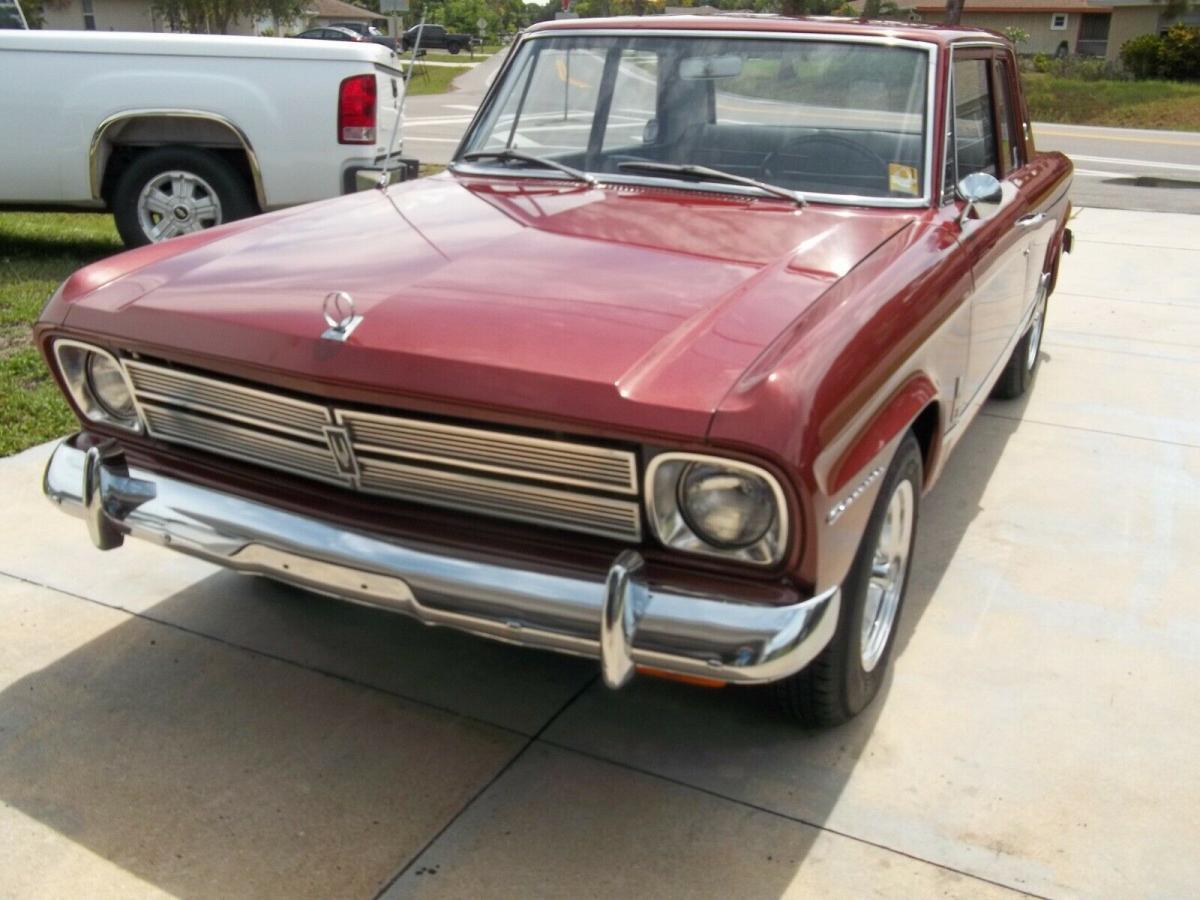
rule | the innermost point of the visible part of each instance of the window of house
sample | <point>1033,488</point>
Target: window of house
<point>1058,22</point>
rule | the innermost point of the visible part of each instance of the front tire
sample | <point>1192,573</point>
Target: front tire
<point>846,676</point>
<point>455,49</point>
<point>1021,368</point>
<point>171,191</point>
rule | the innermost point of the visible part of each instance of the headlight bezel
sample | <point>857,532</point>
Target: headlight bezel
<point>72,359</point>
<point>671,527</point>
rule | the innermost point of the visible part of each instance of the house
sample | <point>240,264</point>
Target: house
<point>138,15</point>
<point>1056,27</point>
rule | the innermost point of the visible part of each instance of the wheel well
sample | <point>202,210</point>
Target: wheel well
<point>925,430</point>
<point>118,143</point>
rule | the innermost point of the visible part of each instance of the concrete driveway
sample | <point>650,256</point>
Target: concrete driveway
<point>168,728</point>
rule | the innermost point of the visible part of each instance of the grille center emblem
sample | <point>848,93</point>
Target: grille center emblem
<point>338,439</point>
<point>340,315</point>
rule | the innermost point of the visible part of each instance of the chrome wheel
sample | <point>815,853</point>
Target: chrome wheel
<point>176,202</point>
<point>889,567</point>
<point>1035,333</point>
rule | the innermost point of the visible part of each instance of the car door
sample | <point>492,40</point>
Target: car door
<point>998,244</point>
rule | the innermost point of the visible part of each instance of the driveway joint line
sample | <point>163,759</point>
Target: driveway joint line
<point>485,787</point>
<point>346,679</point>
<point>1084,242</point>
<point>1120,434</point>
<point>1058,293</point>
<point>782,815</point>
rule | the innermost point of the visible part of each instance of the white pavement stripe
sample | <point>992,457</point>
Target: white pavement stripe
<point>1140,163</point>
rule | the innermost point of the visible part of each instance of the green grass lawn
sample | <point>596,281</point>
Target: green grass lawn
<point>433,79</point>
<point>38,251</point>
<point>1129,104</point>
<point>461,58</point>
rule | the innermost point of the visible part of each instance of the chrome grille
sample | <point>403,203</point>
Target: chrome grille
<point>560,484</point>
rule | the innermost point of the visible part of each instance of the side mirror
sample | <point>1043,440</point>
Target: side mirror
<point>982,193</point>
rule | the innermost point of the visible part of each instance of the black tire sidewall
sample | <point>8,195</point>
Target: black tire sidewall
<point>231,189</point>
<point>859,687</point>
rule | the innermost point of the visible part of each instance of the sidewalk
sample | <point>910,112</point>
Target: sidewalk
<point>168,728</point>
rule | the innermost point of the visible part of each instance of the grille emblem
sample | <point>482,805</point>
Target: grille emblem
<point>338,439</point>
<point>340,315</point>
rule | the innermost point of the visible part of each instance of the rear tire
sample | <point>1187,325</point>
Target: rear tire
<point>455,49</point>
<point>846,676</point>
<point>177,190</point>
<point>1021,368</point>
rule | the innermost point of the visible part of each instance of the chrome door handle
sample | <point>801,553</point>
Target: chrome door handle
<point>1031,219</point>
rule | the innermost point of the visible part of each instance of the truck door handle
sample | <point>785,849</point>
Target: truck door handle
<point>1031,219</point>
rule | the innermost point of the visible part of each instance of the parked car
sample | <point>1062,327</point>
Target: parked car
<point>331,33</point>
<point>369,33</point>
<point>658,372</point>
<point>176,133</point>
<point>436,37</point>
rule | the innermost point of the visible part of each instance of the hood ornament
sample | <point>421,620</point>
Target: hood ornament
<point>340,315</point>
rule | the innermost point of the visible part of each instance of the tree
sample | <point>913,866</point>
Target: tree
<point>954,9</point>
<point>215,16</point>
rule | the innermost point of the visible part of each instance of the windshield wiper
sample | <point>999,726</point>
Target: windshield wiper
<point>712,175</point>
<point>509,154</point>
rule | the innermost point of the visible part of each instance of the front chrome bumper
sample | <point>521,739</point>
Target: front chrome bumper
<point>616,615</point>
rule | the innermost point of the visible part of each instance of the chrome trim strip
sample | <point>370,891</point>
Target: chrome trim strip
<point>656,624</point>
<point>94,176</point>
<point>538,454</point>
<point>836,512</point>
<point>926,47</point>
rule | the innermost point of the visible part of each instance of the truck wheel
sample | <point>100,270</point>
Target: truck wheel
<point>1022,366</point>
<point>847,674</point>
<point>171,191</point>
<point>455,49</point>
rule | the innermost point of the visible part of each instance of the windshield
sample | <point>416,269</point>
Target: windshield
<point>839,119</point>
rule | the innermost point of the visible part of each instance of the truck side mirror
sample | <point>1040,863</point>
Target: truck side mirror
<point>982,193</point>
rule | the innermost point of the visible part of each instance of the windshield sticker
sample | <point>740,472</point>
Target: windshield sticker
<point>902,179</point>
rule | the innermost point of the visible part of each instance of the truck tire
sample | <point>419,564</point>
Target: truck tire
<point>176,190</point>
<point>847,674</point>
<point>455,48</point>
<point>1022,366</point>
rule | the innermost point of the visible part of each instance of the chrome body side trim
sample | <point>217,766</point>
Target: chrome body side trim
<point>95,177</point>
<point>619,615</point>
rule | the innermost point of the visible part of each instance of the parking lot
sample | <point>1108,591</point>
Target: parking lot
<point>168,728</point>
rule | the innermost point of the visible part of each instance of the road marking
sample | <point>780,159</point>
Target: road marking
<point>1092,173</point>
<point>1114,137</point>
<point>1141,163</point>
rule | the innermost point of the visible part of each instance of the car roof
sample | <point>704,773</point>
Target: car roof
<point>943,35</point>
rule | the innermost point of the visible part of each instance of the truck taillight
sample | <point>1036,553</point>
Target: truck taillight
<point>356,110</point>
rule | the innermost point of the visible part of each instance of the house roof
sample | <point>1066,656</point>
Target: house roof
<point>338,9</point>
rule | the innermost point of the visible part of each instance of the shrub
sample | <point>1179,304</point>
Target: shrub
<point>1179,56</point>
<point>1140,55</point>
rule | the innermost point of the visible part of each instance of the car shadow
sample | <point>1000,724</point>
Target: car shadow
<point>203,768</point>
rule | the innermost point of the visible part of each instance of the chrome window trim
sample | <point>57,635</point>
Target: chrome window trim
<point>775,550</point>
<point>926,47</point>
<point>80,393</point>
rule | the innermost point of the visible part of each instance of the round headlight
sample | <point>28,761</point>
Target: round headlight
<point>107,384</point>
<point>726,507</point>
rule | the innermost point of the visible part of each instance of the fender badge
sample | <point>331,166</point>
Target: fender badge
<point>340,315</point>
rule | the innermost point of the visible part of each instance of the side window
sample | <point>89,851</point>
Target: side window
<point>974,132</point>
<point>1006,114</point>
<point>634,101</point>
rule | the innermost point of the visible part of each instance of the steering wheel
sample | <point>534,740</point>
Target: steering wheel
<point>776,167</point>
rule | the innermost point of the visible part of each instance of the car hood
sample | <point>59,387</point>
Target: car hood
<point>630,307</point>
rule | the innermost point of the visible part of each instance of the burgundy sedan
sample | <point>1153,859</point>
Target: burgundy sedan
<point>657,372</point>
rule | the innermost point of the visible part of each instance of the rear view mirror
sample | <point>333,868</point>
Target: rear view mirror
<point>693,68</point>
<point>982,193</point>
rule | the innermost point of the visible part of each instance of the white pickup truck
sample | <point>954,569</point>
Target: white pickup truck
<point>174,133</point>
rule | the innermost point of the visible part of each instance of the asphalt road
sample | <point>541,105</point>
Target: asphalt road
<point>1116,168</point>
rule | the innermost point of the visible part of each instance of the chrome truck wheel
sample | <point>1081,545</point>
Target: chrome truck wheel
<point>847,675</point>
<point>170,191</point>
